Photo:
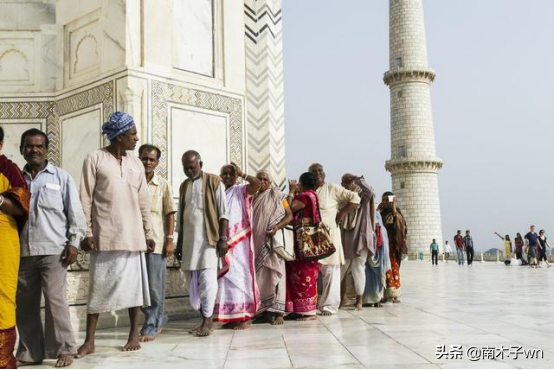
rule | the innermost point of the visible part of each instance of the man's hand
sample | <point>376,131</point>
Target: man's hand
<point>169,248</point>
<point>150,245</point>
<point>221,248</point>
<point>88,245</point>
<point>340,216</point>
<point>238,170</point>
<point>69,255</point>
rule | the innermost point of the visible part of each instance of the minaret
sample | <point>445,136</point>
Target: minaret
<point>414,164</point>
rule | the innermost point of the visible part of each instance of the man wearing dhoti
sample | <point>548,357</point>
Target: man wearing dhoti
<point>202,223</point>
<point>237,297</point>
<point>335,202</point>
<point>271,213</point>
<point>116,203</point>
<point>357,236</point>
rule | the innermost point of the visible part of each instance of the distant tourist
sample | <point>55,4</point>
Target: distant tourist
<point>468,245</point>
<point>434,248</point>
<point>543,244</point>
<point>519,246</point>
<point>447,250</point>
<point>507,246</point>
<point>459,242</point>
<point>532,241</point>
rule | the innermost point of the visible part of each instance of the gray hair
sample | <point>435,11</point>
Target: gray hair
<point>192,153</point>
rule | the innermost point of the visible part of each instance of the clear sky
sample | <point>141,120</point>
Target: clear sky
<point>493,104</point>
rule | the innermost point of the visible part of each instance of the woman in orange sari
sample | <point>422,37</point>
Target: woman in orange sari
<point>14,208</point>
<point>397,232</point>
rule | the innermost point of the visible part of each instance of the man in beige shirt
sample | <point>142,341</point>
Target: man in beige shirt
<point>335,202</point>
<point>116,203</point>
<point>162,214</point>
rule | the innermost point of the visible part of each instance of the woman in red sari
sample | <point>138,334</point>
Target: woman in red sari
<point>14,208</point>
<point>302,274</point>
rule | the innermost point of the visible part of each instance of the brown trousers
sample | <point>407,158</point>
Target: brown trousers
<point>46,274</point>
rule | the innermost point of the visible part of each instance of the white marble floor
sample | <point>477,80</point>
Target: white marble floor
<point>485,305</point>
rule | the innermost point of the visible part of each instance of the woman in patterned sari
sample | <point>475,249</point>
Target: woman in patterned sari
<point>14,208</point>
<point>377,266</point>
<point>271,213</point>
<point>237,298</point>
<point>302,274</point>
<point>397,231</point>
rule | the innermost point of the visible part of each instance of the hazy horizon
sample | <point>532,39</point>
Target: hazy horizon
<point>491,104</point>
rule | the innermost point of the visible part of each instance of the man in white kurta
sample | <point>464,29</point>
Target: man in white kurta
<point>202,227</point>
<point>335,202</point>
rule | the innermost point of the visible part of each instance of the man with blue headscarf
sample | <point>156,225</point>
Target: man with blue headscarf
<point>116,203</point>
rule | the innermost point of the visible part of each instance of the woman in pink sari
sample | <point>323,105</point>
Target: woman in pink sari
<point>302,274</point>
<point>237,298</point>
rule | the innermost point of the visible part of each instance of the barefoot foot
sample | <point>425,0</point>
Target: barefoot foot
<point>85,349</point>
<point>133,344</point>
<point>243,325</point>
<point>358,306</point>
<point>147,338</point>
<point>64,360</point>
<point>279,320</point>
<point>306,317</point>
<point>326,313</point>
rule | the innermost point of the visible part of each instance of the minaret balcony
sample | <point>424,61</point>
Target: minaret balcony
<point>399,75</point>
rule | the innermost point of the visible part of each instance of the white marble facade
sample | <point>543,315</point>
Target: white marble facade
<point>178,67</point>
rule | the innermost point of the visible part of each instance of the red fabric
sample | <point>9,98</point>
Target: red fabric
<point>393,275</point>
<point>459,240</point>
<point>378,238</point>
<point>302,286</point>
<point>18,191</point>
<point>7,345</point>
<point>302,275</point>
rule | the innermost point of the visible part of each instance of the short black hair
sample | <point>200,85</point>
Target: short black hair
<point>308,180</point>
<point>388,194</point>
<point>33,132</point>
<point>1,134</point>
<point>150,148</point>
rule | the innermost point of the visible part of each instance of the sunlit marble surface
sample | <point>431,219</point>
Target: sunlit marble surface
<point>487,304</point>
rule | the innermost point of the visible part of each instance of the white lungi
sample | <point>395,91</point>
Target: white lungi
<point>356,266</point>
<point>118,280</point>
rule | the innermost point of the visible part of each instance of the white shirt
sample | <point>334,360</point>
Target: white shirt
<point>198,254</point>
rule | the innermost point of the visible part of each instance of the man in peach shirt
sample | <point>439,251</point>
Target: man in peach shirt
<point>116,203</point>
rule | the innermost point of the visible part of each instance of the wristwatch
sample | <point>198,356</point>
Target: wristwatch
<point>223,238</point>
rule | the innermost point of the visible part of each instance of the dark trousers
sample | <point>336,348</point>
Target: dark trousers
<point>469,252</point>
<point>519,255</point>
<point>435,257</point>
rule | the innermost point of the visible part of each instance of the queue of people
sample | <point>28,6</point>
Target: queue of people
<point>236,251</point>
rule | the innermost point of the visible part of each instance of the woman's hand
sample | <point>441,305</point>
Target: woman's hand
<point>293,187</point>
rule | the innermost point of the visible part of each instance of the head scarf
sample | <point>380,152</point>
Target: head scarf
<point>119,123</point>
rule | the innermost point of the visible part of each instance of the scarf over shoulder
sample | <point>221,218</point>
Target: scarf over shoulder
<point>17,190</point>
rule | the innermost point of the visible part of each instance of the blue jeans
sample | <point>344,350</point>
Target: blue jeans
<point>155,316</point>
<point>460,256</point>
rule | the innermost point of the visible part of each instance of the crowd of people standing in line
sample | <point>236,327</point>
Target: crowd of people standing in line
<point>227,238</point>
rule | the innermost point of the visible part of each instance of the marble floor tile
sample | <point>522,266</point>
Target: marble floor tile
<point>442,305</point>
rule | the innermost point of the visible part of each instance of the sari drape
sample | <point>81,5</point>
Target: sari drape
<point>268,211</point>
<point>14,188</point>
<point>301,274</point>
<point>377,265</point>
<point>237,297</point>
<point>397,231</point>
